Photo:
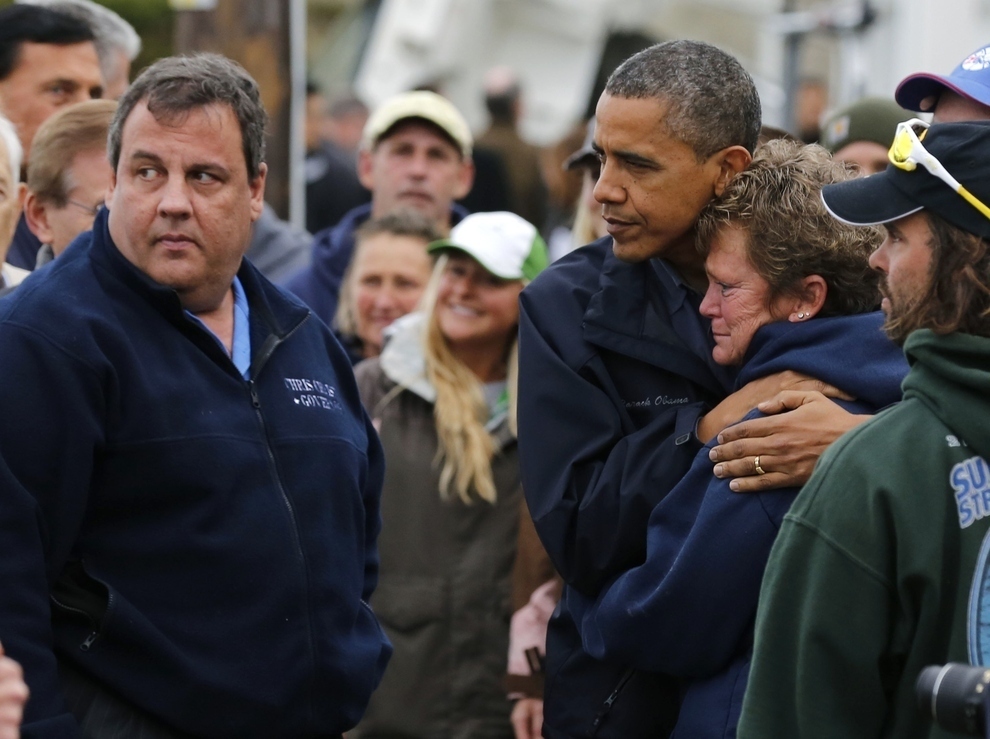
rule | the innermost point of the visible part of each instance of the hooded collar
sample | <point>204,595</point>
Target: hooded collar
<point>403,362</point>
<point>402,359</point>
<point>850,352</point>
<point>951,375</point>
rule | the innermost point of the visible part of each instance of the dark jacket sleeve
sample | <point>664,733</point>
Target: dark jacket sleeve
<point>689,608</point>
<point>366,377</point>
<point>46,465</point>
<point>372,510</point>
<point>590,479</point>
<point>318,285</point>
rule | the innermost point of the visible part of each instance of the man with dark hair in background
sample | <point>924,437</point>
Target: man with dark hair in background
<point>47,60</point>
<point>520,160</point>
<point>618,389</point>
<point>189,486</point>
<point>332,185</point>
<point>117,43</point>
<point>881,567</point>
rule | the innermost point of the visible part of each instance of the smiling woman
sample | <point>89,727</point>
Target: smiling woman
<point>442,395</point>
<point>385,279</point>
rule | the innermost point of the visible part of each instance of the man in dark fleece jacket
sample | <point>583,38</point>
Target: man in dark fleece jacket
<point>882,566</point>
<point>189,487</point>
<point>618,390</point>
<point>415,153</point>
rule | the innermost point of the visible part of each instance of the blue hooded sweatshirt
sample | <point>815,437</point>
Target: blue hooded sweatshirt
<point>688,611</point>
<point>199,543</point>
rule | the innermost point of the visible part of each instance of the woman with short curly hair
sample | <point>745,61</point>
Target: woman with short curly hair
<point>789,289</point>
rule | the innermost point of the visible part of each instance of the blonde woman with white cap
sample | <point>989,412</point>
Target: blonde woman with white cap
<point>442,395</point>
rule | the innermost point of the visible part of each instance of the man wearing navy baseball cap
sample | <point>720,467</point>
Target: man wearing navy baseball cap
<point>882,566</point>
<point>962,95</point>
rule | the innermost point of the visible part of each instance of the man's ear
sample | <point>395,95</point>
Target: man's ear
<point>365,165</point>
<point>36,215</point>
<point>111,186</point>
<point>810,299</point>
<point>465,179</point>
<point>731,161</point>
<point>257,188</point>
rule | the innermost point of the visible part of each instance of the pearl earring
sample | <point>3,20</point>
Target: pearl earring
<point>801,316</point>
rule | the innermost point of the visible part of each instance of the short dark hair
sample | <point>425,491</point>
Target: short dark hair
<point>175,85</point>
<point>777,202</point>
<point>38,25</point>
<point>347,105</point>
<point>502,104</point>
<point>713,102</point>
<point>957,297</point>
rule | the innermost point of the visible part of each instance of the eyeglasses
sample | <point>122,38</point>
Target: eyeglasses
<point>91,209</point>
<point>907,152</point>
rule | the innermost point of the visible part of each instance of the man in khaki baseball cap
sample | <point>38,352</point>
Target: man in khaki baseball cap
<point>415,155</point>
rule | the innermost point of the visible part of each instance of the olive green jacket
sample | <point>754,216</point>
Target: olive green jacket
<point>881,566</point>
<point>443,592</point>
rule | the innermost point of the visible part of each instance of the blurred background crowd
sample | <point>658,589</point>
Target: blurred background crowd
<point>449,107</point>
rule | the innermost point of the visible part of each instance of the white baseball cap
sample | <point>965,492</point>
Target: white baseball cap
<point>419,104</point>
<point>506,245</point>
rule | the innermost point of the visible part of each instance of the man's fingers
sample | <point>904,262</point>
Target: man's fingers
<point>788,400</point>
<point>740,452</point>
<point>754,428</point>
<point>760,483</point>
<point>522,718</point>
<point>536,720</point>
<point>745,466</point>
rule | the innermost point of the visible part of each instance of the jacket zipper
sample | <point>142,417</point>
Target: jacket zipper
<point>96,625</point>
<point>607,706</point>
<point>268,348</point>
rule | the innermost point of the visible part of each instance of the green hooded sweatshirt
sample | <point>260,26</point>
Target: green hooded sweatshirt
<point>881,566</point>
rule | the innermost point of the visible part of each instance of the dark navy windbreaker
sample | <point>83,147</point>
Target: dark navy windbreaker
<point>200,543</point>
<point>318,285</point>
<point>689,609</point>
<point>608,402</point>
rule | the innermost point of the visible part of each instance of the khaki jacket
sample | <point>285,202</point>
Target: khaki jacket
<point>444,593</point>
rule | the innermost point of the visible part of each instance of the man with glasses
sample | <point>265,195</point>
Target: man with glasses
<point>68,175</point>
<point>882,566</point>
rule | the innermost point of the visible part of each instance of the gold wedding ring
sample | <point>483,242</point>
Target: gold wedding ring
<point>756,465</point>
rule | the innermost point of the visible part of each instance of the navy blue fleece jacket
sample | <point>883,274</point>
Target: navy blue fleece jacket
<point>688,610</point>
<point>199,543</point>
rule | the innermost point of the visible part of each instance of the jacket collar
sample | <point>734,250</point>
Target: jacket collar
<point>629,315</point>
<point>273,314</point>
<point>402,361</point>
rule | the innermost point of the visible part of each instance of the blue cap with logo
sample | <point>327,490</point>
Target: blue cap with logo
<point>971,79</point>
